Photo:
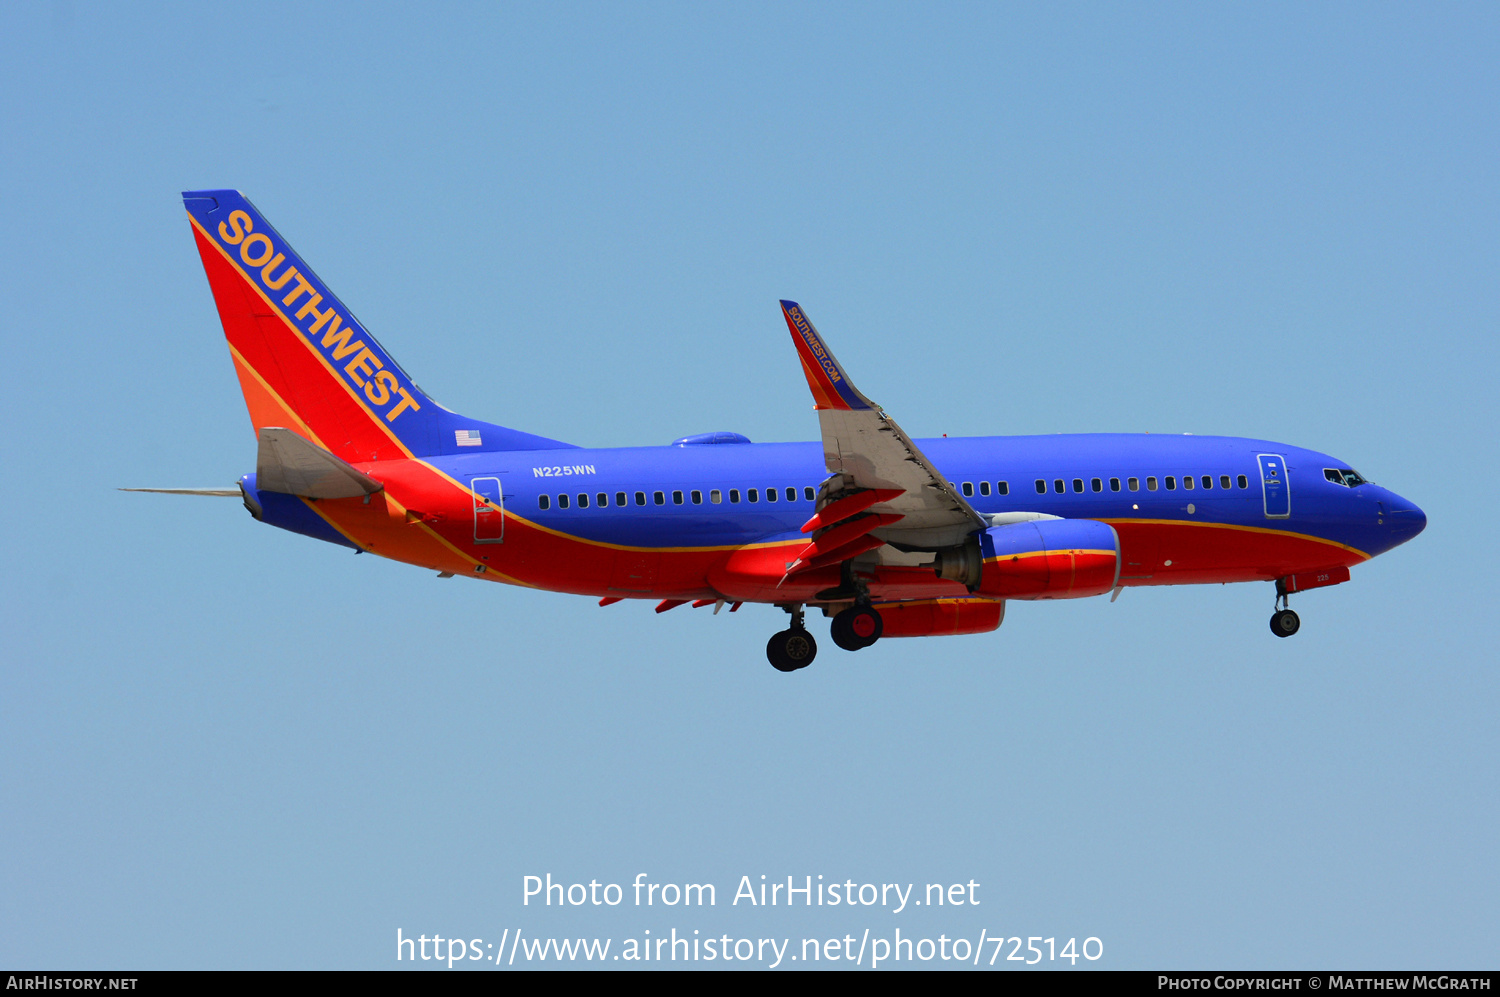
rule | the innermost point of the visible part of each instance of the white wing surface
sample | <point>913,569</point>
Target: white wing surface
<point>864,449</point>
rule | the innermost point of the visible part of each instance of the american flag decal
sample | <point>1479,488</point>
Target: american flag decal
<point>466,437</point>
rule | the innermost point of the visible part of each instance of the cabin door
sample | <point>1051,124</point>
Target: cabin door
<point>1275,489</point>
<point>489,511</point>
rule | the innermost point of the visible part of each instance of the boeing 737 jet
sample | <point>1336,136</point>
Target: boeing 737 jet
<point>887,535</point>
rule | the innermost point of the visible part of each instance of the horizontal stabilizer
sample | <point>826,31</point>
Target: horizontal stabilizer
<point>289,464</point>
<point>215,492</point>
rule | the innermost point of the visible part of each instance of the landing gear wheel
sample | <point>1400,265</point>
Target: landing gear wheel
<point>1284,623</point>
<point>857,627</point>
<point>792,649</point>
<point>839,630</point>
<point>866,624</point>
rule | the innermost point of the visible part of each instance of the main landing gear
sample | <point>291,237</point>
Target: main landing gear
<point>1284,622</point>
<point>857,627</point>
<point>793,648</point>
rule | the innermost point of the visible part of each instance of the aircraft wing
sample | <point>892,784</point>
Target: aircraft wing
<point>864,449</point>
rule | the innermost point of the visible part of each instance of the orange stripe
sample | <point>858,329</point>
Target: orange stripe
<point>267,408</point>
<point>815,382</point>
<point>1048,553</point>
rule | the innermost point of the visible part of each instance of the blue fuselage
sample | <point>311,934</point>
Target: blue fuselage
<point>701,495</point>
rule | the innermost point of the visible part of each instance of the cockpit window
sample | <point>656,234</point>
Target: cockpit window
<point>1345,476</point>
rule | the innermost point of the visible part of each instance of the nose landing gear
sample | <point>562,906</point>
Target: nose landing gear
<point>1284,622</point>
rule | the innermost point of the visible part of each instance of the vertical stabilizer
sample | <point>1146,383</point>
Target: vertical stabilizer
<point>306,363</point>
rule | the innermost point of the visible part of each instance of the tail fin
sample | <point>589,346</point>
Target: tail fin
<point>303,359</point>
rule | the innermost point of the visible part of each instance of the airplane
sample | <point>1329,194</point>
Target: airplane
<point>887,535</point>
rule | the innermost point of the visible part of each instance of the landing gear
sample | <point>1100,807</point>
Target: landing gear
<point>790,650</point>
<point>1284,622</point>
<point>794,648</point>
<point>857,627</point>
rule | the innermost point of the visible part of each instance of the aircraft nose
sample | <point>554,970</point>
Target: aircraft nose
<point>1404,519</point>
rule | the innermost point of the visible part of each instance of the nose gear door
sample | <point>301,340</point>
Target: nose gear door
<point>1275,489</point>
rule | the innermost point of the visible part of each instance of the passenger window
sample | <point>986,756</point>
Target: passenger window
<point>1150,484</point>
<point>968,489</point>
<point>1243,481</point>
<point>1171,483</point>
<point>1224,481</point>
<point>715,496</point>
<point>734,495</point>
<point>602,500</point>
<point>659,498</point>
<point>1134,484</point>
<point>1096,485</point>
<point>808,494</point>
<point>620,499</point>
<point>1058,486</point>
<point>1208,481</point>
<point>984,488</point>
<point>583,500</point>
<point>791,494</point>
<point>1002,487</point>
<point>697,497</point>
<point>543,502</point>
<point>1114,484</point>
<point>1041,486</point>
<point>562,501</point>
<point>677,498</point>
<point>1187,482</point>
<point>770,495</point>
<point>753,494</point>
<point>1078,484</point>
<point>640,498</point>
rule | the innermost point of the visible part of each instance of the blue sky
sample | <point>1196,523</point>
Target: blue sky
<point>226,746</point>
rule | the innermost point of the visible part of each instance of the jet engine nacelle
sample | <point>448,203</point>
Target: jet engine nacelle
<point>940,617</point>
<point>1049,559</point>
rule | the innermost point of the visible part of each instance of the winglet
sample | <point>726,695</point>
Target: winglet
<point>831,387</point>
